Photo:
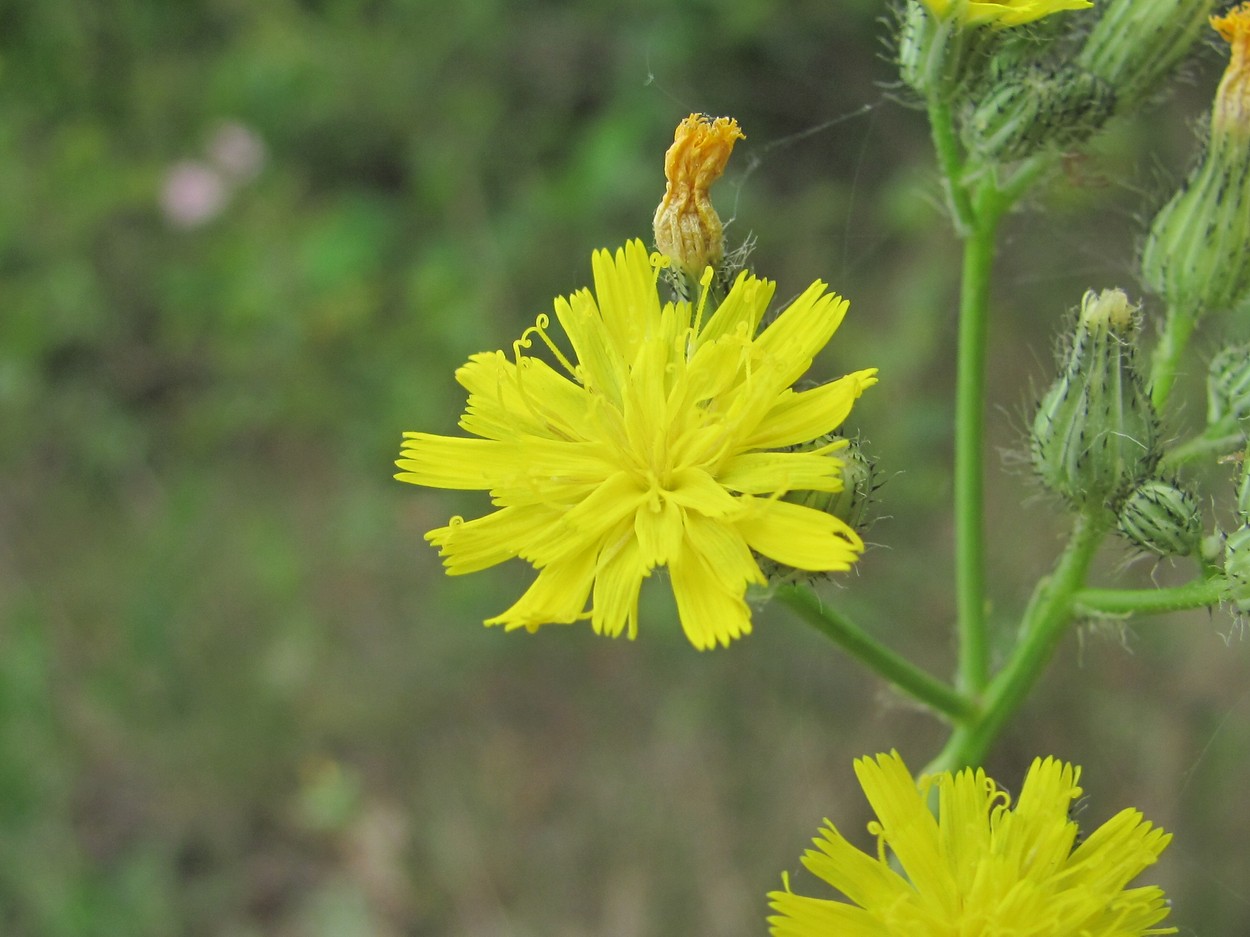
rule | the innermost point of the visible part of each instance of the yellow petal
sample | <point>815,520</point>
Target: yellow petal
<point>469,546</point>
<point>907,825</point>
<point>557,596</point>
<point>766,472</point>
<point>658,526</point>
<point>799,536</point>
<point>601,365</point>
<point>451,462</point>
<point>801,417</point>
<point>803,329</point>
<point>625,285</point>
<point>812,917</point>
<point>618,580</point>
<point>507,402</point>
<point>741,311</point>
<point>724,552</point>
<point>695,489</point>
<point>862,878</point>
<point>710,614</point>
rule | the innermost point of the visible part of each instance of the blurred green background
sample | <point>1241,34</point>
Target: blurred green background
<point>244,245</point>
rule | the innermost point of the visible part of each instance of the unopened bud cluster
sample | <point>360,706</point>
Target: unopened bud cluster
<point>1017,90</point>
<point>1096,434</point>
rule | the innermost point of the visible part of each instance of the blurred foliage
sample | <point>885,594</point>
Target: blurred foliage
<point>236,694</point>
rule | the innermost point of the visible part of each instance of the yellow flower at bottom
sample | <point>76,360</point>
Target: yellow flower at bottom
<point>979,868</point>
<point>658,445</point>
<point>1001,13</point>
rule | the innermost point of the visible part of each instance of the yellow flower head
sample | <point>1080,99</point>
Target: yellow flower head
<point>979,867</point>
<point>687,228</point>
<point>661,444</point>
<point>1001,13</point>
<point>1231,111</point>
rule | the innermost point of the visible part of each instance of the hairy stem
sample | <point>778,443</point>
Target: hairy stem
<point>970,445</point>
<point>1201,593</point>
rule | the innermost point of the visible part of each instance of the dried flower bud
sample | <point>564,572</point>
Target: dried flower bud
<point>687,228</point>
<point>1162,518</point>
<point>1096,434</point>
<point>1195,255</point>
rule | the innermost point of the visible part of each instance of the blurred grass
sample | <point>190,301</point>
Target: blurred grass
<point>237,696</point>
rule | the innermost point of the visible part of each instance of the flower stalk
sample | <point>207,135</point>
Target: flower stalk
<point>906,676</point>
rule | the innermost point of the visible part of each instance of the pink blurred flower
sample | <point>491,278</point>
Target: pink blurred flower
<point>192,194</point>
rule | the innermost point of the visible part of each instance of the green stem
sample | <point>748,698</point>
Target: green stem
<point>1218,440</point>
<point>1167,354</point>
<point>1045,623</point>
<point>969,446</point>
<point>905,675</point>
<point>1201,593</point>
<point>950,159</point>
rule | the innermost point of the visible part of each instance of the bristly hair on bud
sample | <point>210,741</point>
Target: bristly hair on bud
<point>1162,518</point>
<point>1237,564</point>
<point>1096,435</point>
<point>1228,387</point>
<point>1027,109</point>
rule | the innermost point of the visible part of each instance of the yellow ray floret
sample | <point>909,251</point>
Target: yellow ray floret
<point>979,867</point>
<point>1001,13</point>
<point>660,437</point>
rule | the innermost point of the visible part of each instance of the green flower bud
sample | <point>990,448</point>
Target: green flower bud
<point>1037,107</point>
<point>1136,43</point>
<point>1162,518</point>
<point>1228,385</point>
<point>929,50</point>
<point>1096,434</point>
<point>1237,563</point>
<point>1195,254</point>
